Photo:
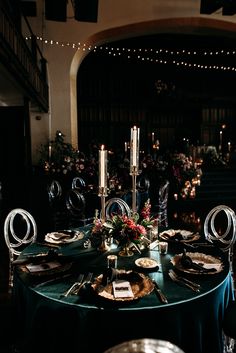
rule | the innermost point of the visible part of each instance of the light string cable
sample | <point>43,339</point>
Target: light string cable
<point>188,58</point>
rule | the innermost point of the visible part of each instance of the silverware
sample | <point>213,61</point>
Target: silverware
<point>160,294</point>
<point>74,286</point>
<point>87,280</point>
<point>185,279</point>
<point>197,245</point>
<point>181,282</point>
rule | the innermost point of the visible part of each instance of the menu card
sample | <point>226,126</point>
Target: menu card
<point>122,289</point>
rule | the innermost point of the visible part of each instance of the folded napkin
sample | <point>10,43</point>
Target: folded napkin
<point>43,266</point>
<point>63,237</point>
<point>216,266</point>
<point>58,235</point>
<point>122,289</point>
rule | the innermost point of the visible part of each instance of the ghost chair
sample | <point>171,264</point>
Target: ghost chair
<point>76,208</point>
<point>115,206</point>
<point>78,183</point>
<point>145,345</point>
<point>143,186</point>
<point>54,191</point>
<point>162,206</point>
<point>128,198</point>
<point>220,229</point>
<point>56,205</point>
<point>20,230</point>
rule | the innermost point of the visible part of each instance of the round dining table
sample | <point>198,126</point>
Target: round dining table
<point>48,322</point>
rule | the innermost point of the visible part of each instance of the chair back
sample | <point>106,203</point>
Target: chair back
<point>163,195</point>
<point>220,228</point>
<point>76,205</point>
<point>75,202</point>
<point>145,345</point>
<point>116,205</point>
<point>20,230</point>
<point>143,186</point>
<point>54,191</point>
<point>143,183</point>
<point>128,198</point>
<point>78,183</point>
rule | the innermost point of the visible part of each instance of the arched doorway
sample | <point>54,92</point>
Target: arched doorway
<point>198,30</point>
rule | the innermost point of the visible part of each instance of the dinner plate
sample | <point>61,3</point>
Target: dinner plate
<point>146,262</point>
<point>63,236</point>
<point>140,285</point>
<point>181,235</point>
<point>207,261</point>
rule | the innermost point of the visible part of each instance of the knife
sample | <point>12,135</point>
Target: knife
<point>159,292</point>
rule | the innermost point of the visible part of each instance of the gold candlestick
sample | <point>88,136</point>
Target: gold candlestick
<point>134,195</point>
<point>134,164</point>
<point>103,193</point>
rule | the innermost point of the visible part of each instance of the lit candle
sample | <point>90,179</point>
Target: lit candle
<point>153,137</point>
<point>134,151</point>
<point>220,139</point>
<point>126,146</point>
<point>229,146</point>
<point>102,167</point>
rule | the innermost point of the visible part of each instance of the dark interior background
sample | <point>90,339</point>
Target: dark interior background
<point>116,92</point>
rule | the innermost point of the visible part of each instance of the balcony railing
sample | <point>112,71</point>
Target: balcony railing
<point>24,62</point>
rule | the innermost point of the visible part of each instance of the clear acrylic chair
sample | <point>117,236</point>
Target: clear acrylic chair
<point>54,191</point>
<point>76,205</point>
<point>163,195</point>
<point>20,230</point>
<point>145,345</point>
<point>220,229</point>
<point>116,205</point>
<point>56,205</point>
<point>78,183</point>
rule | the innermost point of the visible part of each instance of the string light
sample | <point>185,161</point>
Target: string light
<point>177,57</point>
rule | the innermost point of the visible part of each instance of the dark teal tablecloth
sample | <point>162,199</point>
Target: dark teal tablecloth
<point>86,324</point>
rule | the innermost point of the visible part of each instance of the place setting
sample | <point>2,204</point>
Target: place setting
<point>179,235</point>
<point>63,237</point>
<point>43,264</point>
<point>197,263</point>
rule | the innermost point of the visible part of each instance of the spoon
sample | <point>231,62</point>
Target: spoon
<point>187,262</point>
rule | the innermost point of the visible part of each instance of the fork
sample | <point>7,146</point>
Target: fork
<point>74,285</point>
<point>177,280</point>
<point>85,281</point>
<point>185,279</point>
<point>198,245</point>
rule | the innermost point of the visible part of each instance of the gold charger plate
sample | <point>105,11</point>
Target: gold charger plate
<point>205,260</point>
<point>140,285</point>
<point>171,235</point>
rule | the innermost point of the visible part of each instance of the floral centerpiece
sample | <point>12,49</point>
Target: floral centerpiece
<point>187,175</point>
<point>123,229</point>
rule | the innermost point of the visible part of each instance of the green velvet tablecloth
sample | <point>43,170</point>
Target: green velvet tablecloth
<point>88,324</point>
